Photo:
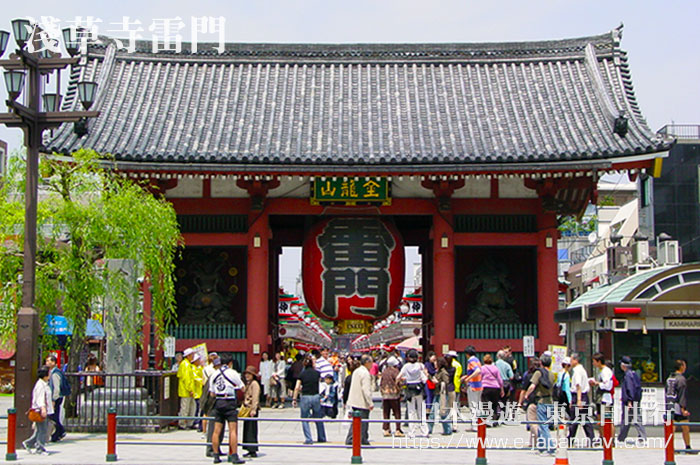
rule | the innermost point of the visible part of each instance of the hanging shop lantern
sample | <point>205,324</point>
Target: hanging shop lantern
<point>353,268</point>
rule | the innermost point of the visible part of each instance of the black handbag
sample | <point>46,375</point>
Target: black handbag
<point>413,390</point>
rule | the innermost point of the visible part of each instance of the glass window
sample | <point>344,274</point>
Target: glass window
<point>685,345</point>
<point>644,351</point>
<point>682,345</point>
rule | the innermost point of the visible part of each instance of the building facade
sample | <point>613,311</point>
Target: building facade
<point>653,317</point>
<point>673,199</point>
<point>478,149</point>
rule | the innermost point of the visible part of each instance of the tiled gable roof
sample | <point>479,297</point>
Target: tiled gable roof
<point>377,105</point>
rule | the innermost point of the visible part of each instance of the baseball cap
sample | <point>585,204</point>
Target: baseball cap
<point>452,353</point>
<point>188,351</point>
<point>566,361</point>
<point>626,360</point>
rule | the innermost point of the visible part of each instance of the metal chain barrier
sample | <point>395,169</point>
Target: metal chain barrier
<point>357,447</point>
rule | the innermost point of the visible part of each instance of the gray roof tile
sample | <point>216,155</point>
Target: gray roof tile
<point>369,104</point>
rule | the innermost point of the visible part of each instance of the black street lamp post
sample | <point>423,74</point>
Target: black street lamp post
<point>39,112</point>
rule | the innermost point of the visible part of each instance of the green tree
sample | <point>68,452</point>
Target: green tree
<point>86,215</point>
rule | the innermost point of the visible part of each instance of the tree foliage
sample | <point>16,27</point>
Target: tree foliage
<point>570,226</point>
<point>86,215</point>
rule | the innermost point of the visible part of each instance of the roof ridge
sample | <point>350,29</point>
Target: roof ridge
<point>404,105</point>
<point>606,41</point>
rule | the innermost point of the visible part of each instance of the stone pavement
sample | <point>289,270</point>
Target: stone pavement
<point>82,448</point>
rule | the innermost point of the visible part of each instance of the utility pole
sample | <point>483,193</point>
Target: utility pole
<point>31,61</point>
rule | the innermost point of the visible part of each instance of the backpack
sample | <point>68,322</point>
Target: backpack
<point>545,381</point>
<point>637,387</point>
<point>64,389</point>
<point>616,383</point>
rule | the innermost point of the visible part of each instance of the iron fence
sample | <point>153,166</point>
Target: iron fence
<point>495,331</point>
<point>210,331</point>
<point>681,131</point>
<point>148,393</point>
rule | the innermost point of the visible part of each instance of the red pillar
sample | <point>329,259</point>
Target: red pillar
<point>258,274</point>
<point>443,283</point>
<point>547,281</point>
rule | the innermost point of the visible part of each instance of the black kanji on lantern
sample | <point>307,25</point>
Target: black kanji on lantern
<point>355,259</point>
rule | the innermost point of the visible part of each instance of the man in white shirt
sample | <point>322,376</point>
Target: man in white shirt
<point>321,363</point>
<point>605,378</point>
<point>360,398</point>
<point>605,385</point>
<point>223,384</point>
<point>579,399</point>
<point>209,369</point>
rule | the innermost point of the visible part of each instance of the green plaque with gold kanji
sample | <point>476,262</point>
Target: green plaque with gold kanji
<point>351,191</point>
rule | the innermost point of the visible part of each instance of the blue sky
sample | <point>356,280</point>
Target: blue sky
<point>661,37</point>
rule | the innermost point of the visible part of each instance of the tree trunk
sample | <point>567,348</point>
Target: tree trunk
<point>76,346</point>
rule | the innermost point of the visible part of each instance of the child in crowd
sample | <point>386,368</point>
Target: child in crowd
<point>329,396</point>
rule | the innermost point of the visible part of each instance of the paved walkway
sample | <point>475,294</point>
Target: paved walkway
<point>79,448</point>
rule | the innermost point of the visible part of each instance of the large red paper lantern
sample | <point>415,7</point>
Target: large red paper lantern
<point>353,268</point>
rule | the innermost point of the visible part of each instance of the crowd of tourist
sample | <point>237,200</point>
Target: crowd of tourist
<point>417,393</point>
<point>434,390</point>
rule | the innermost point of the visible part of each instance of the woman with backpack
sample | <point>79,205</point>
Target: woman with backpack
<point>528,404</point>
<point>413,375</point>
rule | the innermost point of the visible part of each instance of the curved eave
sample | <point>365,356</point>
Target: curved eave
<point>601,164</point>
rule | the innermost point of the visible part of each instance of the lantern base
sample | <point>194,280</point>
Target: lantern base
<point>354,327</point>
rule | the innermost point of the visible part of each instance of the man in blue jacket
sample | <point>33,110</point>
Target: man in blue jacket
<point>631,396</point>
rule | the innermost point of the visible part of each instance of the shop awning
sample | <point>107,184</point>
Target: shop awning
<point>663,292</point>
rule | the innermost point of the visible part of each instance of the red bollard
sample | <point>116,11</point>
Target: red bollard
<point>481,441</point>
<point>11,432</point>
<point>669,440</point>
<point>111,435</point>
<point>607,436</point>
<point>356,437</point>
